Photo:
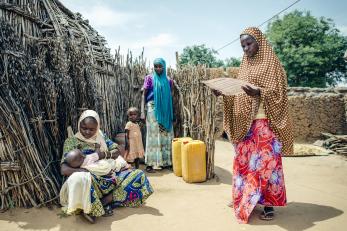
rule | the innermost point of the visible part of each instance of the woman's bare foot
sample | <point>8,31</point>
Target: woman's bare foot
<point>89,218</point>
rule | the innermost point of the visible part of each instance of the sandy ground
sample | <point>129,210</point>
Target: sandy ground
<point>316,189</point>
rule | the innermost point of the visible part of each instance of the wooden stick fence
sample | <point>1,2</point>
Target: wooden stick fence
<point>195,109</point>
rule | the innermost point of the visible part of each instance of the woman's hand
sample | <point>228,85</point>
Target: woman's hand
<point>251,91</point>
<point>97,146</point>
<point>101,154</point>
<point>126,167</point>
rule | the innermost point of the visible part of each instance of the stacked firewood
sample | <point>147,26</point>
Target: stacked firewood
<point>336,143</point>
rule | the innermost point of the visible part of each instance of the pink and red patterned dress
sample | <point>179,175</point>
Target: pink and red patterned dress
<point>257,173</point>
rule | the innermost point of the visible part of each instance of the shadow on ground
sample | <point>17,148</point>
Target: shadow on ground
<point>298,216</point>
<point>222,176</point>
<point>157,173</point>
<point>27,219</point>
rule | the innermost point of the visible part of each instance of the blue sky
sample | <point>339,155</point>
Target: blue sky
<point>163,27</point>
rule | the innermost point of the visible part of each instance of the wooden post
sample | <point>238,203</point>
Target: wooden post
<point>177,60</point>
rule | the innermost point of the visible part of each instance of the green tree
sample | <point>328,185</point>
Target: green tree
<point>200,55</point>
<point>232,62</point>
<point>310,49</point>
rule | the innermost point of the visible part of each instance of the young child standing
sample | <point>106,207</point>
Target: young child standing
<point>133,138</point>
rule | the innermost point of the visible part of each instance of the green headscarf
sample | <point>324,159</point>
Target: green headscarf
<point>162,97</point>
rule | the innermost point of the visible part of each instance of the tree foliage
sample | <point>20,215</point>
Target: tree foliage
<point>202,55</point>
<point>232,62</point>
<point>199,55</point>
<point>311,49</point>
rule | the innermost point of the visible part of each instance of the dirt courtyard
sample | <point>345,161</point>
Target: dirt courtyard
<point>316,191</point>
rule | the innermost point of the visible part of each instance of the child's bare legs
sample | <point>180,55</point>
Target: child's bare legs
<point>137,163</point>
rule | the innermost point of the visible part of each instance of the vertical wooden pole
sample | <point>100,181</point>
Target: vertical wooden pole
<point>177,60</point>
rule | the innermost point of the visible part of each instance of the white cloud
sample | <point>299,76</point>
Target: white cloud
<point>160,40</point>
<point>102,16</point>
<point>161,45</point>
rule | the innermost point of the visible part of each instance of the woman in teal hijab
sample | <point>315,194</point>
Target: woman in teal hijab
<point>158,99</point>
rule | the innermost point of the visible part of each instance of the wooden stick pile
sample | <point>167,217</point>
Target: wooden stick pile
<point>336,143</point>
<point>28,125</point>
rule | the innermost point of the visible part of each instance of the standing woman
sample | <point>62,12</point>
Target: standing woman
<point>259,126</point>
<point>158,99</point>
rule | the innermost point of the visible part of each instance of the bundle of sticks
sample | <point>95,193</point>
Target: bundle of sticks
<point>336,143</point>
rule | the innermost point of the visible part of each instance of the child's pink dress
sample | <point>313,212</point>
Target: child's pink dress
<point>135,142</point>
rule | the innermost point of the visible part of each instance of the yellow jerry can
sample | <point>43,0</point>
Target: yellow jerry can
<point>177,155</point>
<point>194,161</point>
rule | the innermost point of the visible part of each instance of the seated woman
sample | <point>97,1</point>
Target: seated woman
<point>97,195</point>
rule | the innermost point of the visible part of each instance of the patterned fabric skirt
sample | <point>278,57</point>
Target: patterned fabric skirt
<point>130,188</point>
<point>257,173</point>
<point>158,142</point>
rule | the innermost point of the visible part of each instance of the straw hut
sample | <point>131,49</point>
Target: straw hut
<point>53,65</point>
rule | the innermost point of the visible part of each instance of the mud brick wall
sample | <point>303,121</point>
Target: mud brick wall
<point>313,110</point>
<point>317,110</point>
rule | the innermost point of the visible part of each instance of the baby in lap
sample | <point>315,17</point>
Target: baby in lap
<point>93,163</point>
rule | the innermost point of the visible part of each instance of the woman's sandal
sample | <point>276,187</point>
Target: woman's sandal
<point>91,219</point>
<point>150,169</point>
<point>108,211</point>
<point>267,214</point>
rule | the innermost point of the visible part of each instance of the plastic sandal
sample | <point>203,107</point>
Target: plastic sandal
<point>150,170</point>
<point>267,214</point>
<point>108,211</point>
